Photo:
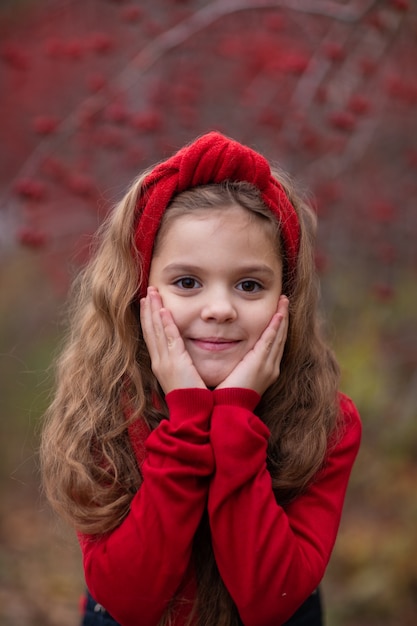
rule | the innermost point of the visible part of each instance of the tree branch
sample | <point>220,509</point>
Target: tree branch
<point>176,36</point>
<point>218,9</point>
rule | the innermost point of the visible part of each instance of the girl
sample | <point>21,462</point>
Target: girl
<point>197,441</point>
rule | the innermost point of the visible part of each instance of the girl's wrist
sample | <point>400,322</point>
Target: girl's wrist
<point>184,404</point>
<point>237,396</point>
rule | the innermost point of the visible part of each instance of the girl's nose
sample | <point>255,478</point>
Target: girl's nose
<point>218,307</point>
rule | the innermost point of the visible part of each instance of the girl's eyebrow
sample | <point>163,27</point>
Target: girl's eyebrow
<point>185,268</point>
<point>181,268</point>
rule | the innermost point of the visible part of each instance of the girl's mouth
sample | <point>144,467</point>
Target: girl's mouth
<point>214,344</point>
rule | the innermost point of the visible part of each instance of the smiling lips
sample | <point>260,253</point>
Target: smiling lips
<point>215,344</point>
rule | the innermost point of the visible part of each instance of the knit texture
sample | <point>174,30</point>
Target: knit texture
<point>210,455</point>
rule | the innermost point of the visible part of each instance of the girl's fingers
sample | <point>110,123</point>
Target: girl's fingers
<point>152,324</point>
<point>171,363</point>
<point>279,331</point>
<point>155,302</point>
<point>171,343</point>
<point>261,365</point>
<point>147,325</point>
<point>172,334</point>
<point>274,337</point>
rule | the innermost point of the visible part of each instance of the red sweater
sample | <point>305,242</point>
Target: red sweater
<point>211,452</point>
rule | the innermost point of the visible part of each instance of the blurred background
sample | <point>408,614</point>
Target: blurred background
<point>93,92</point>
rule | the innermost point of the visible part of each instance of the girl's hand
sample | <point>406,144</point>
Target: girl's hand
<point>171,363</point>
<point>261,365</point>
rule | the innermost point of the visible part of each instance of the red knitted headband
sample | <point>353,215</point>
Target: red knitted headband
<point>210,159</point>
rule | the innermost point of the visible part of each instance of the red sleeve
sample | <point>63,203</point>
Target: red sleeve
<point>270,558</point>
<point>135,570</point>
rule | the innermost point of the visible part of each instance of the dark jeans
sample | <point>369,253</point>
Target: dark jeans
<point>309,614</point>
<point>96,615</point>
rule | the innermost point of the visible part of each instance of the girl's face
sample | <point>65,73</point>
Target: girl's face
<point>219,274</point>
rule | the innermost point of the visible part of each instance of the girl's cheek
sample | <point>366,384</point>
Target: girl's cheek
<point>168,302</point>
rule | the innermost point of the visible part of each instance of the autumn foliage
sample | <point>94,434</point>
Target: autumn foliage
<point>92,92</point>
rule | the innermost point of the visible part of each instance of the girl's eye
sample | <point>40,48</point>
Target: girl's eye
<point>187,283</point>
<point>249,286</point>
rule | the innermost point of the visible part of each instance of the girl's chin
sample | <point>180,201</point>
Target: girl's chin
<point>213,379</point>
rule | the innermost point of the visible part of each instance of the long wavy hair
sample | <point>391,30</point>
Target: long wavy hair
<point>103,375</point>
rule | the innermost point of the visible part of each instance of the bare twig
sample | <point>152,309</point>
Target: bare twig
<point>362,137</point>
<point>219,9</point>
